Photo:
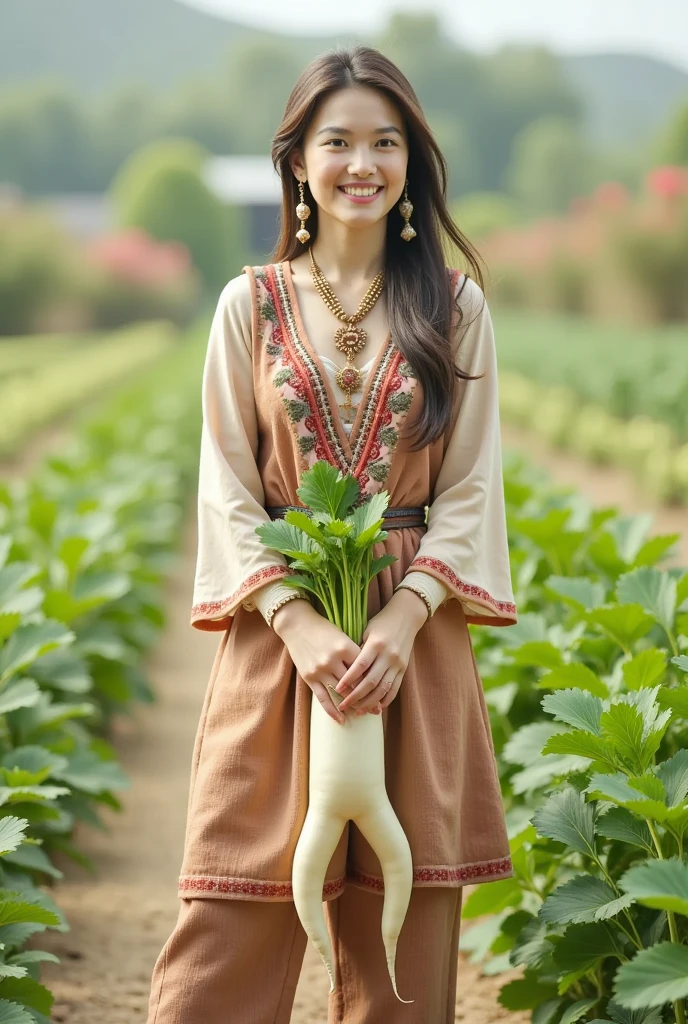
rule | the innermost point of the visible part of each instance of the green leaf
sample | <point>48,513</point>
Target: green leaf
<point>567,818</point>
<point>20,693</point>
<point>525,993</point>
<point>14,911</point>
<point>656,548</point>
<point>576,1011</point>
<point>29,992</point>
<point>583,946</point>
<point>89,773</point>
<point>12,971</point>
<point>12,832</point>
<point>674,699</point>
<point>531,947</point>
<point>577,708</point>
<point>324,488</point>
<point>653,977</point>
<point>630,533</point>
<point>660,884</point>
<point>30,856</point>
<point>574,675</point>
<point>492,897</point>
<point>645,669</point>
<point>674,776</point>
<point>653,590</point>
<point>578,591</point>
<point>625,623</point>
<point>13,1013</point>
<point>617,789</point>
<point>524,747</point>
<point>681,660</point>
<point>623,726</point>
<point>303,521</point>
<point>619,823</point>
<point>33,956</point>
<point>380,563</point>
<point>538,652</point>
<point>582,900</point>
<point>30,642</point>
<point>622,1015</point>
<point>283,537</point>
<point>581,744</point>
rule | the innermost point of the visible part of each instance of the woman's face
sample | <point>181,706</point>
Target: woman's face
<point>357,137</point>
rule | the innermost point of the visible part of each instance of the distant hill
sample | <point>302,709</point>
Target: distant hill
<point>627,96</point>
<point>97,45</point>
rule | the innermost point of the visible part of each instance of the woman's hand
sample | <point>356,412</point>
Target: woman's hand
<point>320,650</point>
<point>372,682</point>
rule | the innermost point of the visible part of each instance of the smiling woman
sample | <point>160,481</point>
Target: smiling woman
<point>420,420</point>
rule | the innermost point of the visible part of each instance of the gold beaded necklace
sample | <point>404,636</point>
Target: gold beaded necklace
<point>350,338</point>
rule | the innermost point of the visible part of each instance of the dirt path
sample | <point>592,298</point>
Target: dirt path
<point>121,919</point>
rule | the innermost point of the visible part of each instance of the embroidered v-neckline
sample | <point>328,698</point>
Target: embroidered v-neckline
<point>350,444</point>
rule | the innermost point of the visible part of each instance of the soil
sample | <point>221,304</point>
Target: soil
<point>121,918</point>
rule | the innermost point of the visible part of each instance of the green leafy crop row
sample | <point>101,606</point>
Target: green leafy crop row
<point>641,371</point>
<point>647,448</point>
<point>29,400</point>
<point>84,547</point>
<point>589,702</point>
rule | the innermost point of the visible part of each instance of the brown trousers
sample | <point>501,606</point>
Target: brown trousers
<point>238,961</point>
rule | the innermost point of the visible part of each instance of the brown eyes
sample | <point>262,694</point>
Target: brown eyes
<point>344,140</point>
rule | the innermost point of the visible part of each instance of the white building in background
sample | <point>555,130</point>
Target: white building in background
<point>251,182</point>
<point>248,181</point>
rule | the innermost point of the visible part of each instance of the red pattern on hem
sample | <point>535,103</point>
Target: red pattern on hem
<point>211,609</point>
<point>246,888</point>
<point>469,589</point>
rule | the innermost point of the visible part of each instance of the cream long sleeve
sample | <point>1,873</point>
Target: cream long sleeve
<point>232,562</point>
<point>465,545</point>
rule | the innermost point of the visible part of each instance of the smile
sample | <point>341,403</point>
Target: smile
<point>363,193</point>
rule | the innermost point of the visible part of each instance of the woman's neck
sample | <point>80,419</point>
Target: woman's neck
<point>349,256</point>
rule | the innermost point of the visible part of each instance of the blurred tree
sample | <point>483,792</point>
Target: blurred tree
<point>44,140</point>
<point>204,112</point>
<point>479,213</point>
<point>256,86</point>
<point>160,189</point>
<point>551,164</point>
<point>120,123</point>
<point>672,145</point>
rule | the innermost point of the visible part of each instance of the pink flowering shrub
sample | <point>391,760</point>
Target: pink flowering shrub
<point>138,277</point>
<point>612,254</point>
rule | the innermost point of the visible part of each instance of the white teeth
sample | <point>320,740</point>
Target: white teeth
<point>360,191</point>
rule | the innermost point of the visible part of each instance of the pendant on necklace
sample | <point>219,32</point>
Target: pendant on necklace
<point>350,338</point>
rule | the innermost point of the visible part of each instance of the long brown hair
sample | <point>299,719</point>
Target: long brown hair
<point>418,294</point>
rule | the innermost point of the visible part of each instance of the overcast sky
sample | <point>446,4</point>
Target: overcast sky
<point>657,28</point>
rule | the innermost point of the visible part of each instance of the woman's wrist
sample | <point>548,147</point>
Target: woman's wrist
<point>411,605</point>
<point>291,613</point>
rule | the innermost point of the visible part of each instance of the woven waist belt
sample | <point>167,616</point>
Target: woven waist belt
<point>395,518</point>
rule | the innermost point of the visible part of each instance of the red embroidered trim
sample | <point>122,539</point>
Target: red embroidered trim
<point>444,876</point>
<point>208,609</point>
<point>486,870</point>
<point>465,588</point>
<point>246,886</point>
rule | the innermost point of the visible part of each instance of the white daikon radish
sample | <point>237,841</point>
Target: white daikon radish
<point>347,782</point>
<point>332,552</point>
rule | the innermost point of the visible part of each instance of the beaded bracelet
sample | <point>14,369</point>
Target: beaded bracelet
<point>417,590</point>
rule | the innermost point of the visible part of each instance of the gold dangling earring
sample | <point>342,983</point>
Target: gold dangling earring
<point>406,209</point>
<point>303,212</point>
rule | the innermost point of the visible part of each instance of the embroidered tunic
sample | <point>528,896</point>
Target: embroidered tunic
<point>270,410</point>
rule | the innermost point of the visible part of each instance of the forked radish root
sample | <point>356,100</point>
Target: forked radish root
<point>347,782</point>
